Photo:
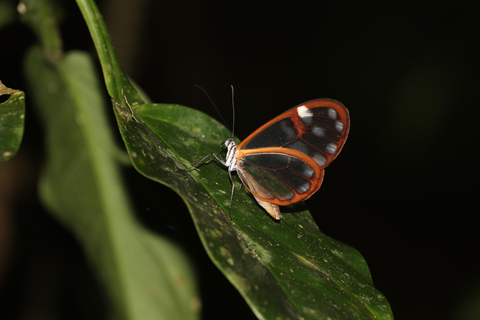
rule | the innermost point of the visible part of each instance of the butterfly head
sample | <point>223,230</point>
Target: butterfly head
<point>228,144</point>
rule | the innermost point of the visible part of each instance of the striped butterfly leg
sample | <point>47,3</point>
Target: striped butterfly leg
<point>202,161</point>
<point>231,194</point>
<point>215,156</point>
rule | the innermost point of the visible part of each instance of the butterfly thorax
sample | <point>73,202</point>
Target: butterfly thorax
<point>231,160</point>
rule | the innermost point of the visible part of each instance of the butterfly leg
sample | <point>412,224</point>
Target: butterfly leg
<point>202,161</point>
<point>240,191</point>
<point>231,195</point>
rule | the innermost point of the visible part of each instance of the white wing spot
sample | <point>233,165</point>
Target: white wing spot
<point>304,187</point>
<point>332,113</point>
<point>338,126</point>
<point>331,148</point>
<point>303,112</point>
<point>308,172</point>
<point>320,159</point>
<point>318,131</point>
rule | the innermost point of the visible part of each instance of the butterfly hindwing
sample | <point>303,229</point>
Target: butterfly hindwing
<point>278,175</point>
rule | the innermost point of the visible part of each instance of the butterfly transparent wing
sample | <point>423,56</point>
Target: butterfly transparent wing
<point>279,176</point>
<point>317,128</point>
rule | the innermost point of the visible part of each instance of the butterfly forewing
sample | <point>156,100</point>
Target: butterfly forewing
<point>317,128</point>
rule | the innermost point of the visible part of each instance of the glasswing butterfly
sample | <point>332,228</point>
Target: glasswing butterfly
<point>283,161</point>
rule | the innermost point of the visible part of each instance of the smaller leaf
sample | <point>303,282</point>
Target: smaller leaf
<point>146,275</point>
<point>12,121</point>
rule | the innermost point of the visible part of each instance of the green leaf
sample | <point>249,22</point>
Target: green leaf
<point>12,121</point>
<point>284,270</point>
<point>147,276</point>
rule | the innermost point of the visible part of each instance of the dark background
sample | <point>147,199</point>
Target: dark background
<point>403,191</point>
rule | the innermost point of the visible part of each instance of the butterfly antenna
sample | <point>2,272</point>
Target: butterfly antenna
<point>213,103</point>
<point>233,109</point>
